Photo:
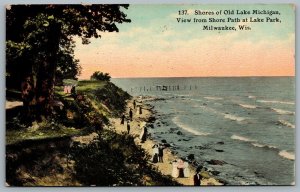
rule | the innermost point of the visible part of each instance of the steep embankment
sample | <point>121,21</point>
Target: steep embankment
<point>74,149</point>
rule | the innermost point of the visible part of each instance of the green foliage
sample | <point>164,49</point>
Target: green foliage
<point>31,160</point>
<point>89,86</point>
<point>37,155</point>
<point>70,82</point>
<point>100,76</point>
<point>104,93</point>
<point>113,97</point>
<point>44,153</point>
<point>45,130</point>
<point>115,160</point>
<point>39,42</point>
<point>29,27</point>
<point>110,160</point>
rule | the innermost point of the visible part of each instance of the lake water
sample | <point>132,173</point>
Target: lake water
<point>248,122</point>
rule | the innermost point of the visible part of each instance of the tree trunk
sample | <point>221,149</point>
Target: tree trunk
<point>46,72</point>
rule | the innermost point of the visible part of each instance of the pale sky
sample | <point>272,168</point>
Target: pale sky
<point>154,44</point>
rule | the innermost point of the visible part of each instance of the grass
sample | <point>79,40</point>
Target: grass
<point>39,154</point>
<point>89,86</point>
<point>17,132</point>
<point>39,132</point>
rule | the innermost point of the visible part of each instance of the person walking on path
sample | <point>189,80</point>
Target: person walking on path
<point>122,119</point>
<point>130,114</point>
<point>155,153</point>
<point>186,170</point>
<point>160,153</point>
<point>143,135</point>
<point>128,127</point>
<point>197,177</point>
<point>134,104</point>
<point>175,171</point>
<point>180,168</point>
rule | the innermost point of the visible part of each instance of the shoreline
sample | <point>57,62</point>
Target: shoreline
<point>137,124</point>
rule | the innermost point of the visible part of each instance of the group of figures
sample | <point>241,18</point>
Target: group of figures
<point>130,117</point>
<point>158,153</point>
<point>180,167</point>
<point>181,170</point>
<point>128,120</point>
<point>69,89</point>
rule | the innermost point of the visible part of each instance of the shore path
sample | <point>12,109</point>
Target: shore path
<point>165,168</point>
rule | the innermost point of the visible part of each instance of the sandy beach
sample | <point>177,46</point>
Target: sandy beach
<point>137,123</point>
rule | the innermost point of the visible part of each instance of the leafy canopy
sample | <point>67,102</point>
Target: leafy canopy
<point>37,32</point>
<point>100,76</point>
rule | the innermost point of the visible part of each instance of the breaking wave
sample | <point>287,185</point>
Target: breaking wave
<point>248,106</point>
<point>286,123</point>
<point>195,100</point>
<point>263,146</point>
<point>273,101</point>
<point>283,112</point>
<point>234,118</point>
<point>214,98</point>
<point>187,127</point>
<point>287,155</point>
<point>236,137</point>
<point>282,153</point>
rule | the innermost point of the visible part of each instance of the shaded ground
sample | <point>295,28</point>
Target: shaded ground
<point>108,159</point>
<point>73,149</point>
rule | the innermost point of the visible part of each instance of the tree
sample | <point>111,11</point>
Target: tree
<point>39,42</point>
<point>100,76</point>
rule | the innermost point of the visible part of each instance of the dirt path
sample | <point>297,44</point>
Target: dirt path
<point>165,168</point>
<point>12,104</point>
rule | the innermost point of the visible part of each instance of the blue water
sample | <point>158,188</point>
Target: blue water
<point>248,122</point>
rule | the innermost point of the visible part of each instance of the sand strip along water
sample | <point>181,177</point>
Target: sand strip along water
<point>137,123</point>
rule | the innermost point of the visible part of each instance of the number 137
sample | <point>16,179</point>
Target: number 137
<point>182,12</point>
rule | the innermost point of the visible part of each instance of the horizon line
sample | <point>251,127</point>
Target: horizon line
<point>196,77</point>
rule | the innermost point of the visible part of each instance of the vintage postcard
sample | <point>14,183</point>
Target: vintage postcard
<point>150,95</point>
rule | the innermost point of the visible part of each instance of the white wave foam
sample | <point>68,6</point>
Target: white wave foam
<point>214,98</point>
<point>187,128</point>
<point>258,145</point>
<point>287,155</point>
<point>183,95</point>
<point>195,99</point>
<point>262,146</point>
<point>273,101</point>
<point>248,106</point>
<point>218,104</point>
<point>251,97</point>
<point>283,112</point>
<point>236,137</point>
<point>234,118</point>
<point>286,123</point>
